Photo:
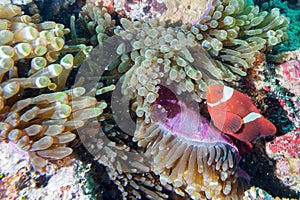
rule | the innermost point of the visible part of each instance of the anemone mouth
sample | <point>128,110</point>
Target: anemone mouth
<point>187,151</point>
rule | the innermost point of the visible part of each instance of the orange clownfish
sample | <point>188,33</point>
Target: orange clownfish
<point>234,113</point>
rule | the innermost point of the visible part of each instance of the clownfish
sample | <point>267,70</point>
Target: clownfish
<point>234,114</point>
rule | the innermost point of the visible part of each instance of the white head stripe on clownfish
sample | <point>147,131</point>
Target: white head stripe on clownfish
<point>251,117</point>
<point>227,94</point>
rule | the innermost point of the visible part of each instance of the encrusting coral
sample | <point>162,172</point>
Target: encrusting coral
<point>285,150</point>
<point>40,124</point>
<point>287,70</point>
<point>284,72</point>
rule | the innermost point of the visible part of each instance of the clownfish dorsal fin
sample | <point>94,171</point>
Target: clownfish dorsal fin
<point>230,124</point>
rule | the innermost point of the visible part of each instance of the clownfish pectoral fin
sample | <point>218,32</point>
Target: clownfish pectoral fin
<point>233,123</point>
<point>230,123</point>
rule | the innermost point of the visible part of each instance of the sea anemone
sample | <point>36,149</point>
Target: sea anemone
<point>187,151</point>
<point>33,64</point>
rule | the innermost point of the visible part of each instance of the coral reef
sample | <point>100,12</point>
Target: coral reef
<point>23,37</point>
<point>186,12</point>
<point>175,50</point>
<point>129,169</point>
<point>285,150</point>
<point>234,32</point>
<point>223,33</point>
<point>43,126</point>
<point>162,72</point>
<point>284,56</point>
<point>49,9</point>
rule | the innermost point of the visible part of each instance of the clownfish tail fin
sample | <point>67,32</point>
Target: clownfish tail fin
<point>267,128</point>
